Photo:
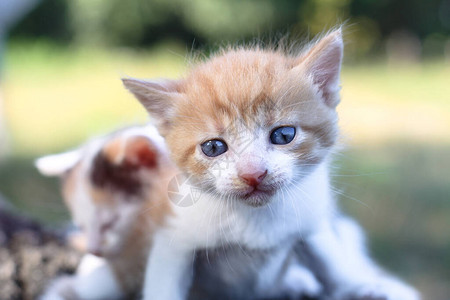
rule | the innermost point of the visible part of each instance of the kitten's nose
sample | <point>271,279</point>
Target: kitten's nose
<point>253,179</point>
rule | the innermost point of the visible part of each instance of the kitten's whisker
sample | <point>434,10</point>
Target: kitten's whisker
<point>294,207</point>
<point>337,191</point>
<point>306,196</point>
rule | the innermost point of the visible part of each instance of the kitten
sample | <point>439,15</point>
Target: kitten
<point>253,130</point>
<point>115,188</point>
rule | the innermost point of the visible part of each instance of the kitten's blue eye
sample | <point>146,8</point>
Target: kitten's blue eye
<point>282,135</point>
<point>214,148</point>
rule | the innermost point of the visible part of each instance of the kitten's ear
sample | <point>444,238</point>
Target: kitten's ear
<point>116,166</point>
<point>134,151</point>
<point>58,164</point>
<point>156,96</point>
<point>323,63</point>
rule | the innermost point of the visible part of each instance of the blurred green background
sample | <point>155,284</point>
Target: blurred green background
<point>60,85</point>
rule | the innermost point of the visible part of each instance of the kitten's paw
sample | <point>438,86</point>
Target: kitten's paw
<point>60,289</point>
<point>387,289</point>
<point>300,281</point>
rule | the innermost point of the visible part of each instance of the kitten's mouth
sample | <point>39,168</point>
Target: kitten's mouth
<point>258,196</point>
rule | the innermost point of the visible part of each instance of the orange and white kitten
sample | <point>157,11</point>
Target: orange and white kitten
<point>116,190</point>
<point>253,130</point>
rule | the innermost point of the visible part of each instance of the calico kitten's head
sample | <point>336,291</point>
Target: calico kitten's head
<point>106,184</point>
<point>249,122</point>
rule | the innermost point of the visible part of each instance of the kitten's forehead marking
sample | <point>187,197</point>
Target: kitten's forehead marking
<point>237,78</point>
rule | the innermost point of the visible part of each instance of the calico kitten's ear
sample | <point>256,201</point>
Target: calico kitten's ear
<point>323,63</point>
<point>58,164</point>
<point>134,151</point>
<point>157,97</point>
<point>116,166</point>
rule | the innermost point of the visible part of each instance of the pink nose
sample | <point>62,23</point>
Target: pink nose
<point>253,179</point>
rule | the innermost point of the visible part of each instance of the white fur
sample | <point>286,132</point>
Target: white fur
<point>294,280</point>
<point>58,164</point>
<point>98,283</point>
<point>94,280</point>
<point>300,281</point>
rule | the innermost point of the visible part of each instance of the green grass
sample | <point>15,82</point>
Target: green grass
<point>32,194</point>
<point>392,176</point>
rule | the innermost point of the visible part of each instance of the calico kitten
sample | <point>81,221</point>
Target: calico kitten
<point>253,130</point>
<point>115,188</point>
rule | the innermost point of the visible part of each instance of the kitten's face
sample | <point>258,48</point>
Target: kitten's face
<point>104,216</point>
<point>247,124</point>
<point>269,130</point>
<point>109,187</point>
